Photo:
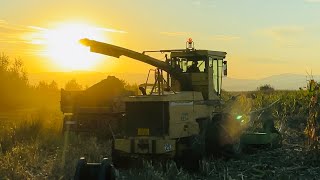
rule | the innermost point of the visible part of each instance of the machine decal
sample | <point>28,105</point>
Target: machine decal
<point>181,103</point>
<point>70,122</point>
<point>143,132</point>
<point>184,116</point>
<point>167,147</point>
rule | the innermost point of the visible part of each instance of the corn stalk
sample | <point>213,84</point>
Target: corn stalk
<point>312,129</point>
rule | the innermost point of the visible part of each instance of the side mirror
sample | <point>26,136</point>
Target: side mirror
<point>225,68</point>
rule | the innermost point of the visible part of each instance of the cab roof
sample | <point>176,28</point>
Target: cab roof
<point>192,53</point>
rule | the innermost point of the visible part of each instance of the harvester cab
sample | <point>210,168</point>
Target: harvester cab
<point>199,70</point>
<point>181,118</point>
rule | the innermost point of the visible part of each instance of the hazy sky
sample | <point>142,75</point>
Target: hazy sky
<point>262,38</point>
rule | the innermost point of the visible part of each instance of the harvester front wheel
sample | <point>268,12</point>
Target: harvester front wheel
<point>125,161</point>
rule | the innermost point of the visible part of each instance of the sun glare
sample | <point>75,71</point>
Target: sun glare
<point>64,49</point>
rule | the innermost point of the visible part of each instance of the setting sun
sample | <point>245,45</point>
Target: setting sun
<point>63,47</point>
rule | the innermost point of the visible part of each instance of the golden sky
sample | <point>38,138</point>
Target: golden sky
<point>262,38</point>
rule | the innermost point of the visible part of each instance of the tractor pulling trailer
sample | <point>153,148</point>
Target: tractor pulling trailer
<point>181,115</point>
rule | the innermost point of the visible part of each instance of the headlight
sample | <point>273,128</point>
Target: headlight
<point>240,118</point>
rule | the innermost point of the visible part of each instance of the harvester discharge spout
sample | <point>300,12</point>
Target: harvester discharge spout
<point>116,51</point>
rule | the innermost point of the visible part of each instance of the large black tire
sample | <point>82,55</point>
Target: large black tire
<point>99,171</point>
<point>212,144</point>
<point>191,157</point>
<point>125,161</point>
<point>277,143</point>
<point>222,137</point>
<point>233,150</point>
<point>118,160</point>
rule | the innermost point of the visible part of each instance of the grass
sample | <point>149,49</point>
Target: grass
<point>35,148</point>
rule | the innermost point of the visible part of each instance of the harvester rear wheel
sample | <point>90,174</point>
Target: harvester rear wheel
<point>233,150</point>
<point>277,142</point>
<point>223,137</point>
<point>118,160</point>
<point>212,139</point>
<point>190,157</point>
<point>125,161</point>
<point>189,160</point>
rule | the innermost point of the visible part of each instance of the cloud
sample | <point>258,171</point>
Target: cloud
<point>203,3</point>
<point>179,33</point>
<point>37,28</point>
<point>28,39</point>
<point>12,34</point>
<point>97,28</point>
<point>261,60</point>
<point>110,30</point>
<point>286,36</point>
<point>5,27</point>
<point>224,38</point>
<point>196,2</point>
<point>286,31</point>
<point>312,1</point>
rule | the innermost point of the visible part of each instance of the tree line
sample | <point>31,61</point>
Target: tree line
<point>17,92</point>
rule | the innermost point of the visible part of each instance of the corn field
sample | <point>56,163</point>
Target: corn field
<point>33,146</point>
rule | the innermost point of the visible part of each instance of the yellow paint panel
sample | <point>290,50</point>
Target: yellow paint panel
<point>122,145</point>
<point>143,131</point>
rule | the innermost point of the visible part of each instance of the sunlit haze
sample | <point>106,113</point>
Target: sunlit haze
<point>62,46</point>
<point>261,38</point>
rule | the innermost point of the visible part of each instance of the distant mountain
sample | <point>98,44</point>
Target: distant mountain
<point>281,82</point>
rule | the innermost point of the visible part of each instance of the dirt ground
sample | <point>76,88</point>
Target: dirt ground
<point>292,161</point>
